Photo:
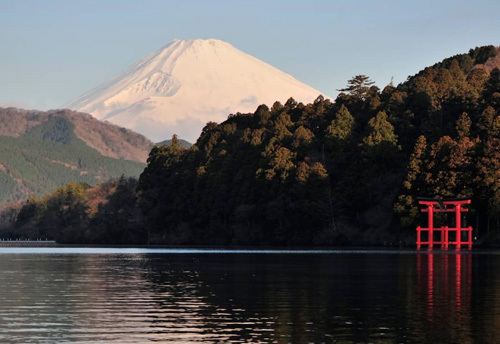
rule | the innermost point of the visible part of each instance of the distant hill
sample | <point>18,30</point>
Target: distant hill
<point>183,143</point>
<point>108,139</point>
<point>42,150</point>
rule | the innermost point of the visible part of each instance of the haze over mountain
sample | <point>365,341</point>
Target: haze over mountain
<point>182,86</point>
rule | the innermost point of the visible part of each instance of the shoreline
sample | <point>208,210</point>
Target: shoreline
<point>53,247</point>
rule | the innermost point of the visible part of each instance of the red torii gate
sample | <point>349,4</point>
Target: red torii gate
<point>449,205</point>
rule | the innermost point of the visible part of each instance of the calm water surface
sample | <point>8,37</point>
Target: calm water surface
<point>57,295</point>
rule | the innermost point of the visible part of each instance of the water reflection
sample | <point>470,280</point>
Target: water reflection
<point>210,298</point>
<point>444,289</point>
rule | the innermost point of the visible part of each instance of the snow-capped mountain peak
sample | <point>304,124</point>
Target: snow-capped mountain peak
<point>180,87</point>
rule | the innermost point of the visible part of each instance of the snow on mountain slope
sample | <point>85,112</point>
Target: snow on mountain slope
<point>184,85</point>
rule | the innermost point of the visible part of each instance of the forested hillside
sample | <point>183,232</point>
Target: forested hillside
<point>342,172</point>
<point>326,173</point>
<point>46,154</point>
<point>108,139</point>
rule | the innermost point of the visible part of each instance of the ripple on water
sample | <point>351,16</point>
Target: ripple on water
<point>188,296</point>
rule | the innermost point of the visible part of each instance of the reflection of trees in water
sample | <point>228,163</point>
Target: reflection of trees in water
<point>485,299</point>
<point>63,298</point>
<point>187,290</point>
<point>443,296</point>
<point>352,298</point>
<point>455,297</point>
<point>106,298</point>
<point>152,298</point>
<point>300,298</point>
<point>424,298</point>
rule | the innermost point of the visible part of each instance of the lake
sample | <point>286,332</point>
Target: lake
<point>135,295</point>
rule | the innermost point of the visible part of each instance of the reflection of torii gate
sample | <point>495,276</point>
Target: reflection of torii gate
<point>449,205</point>
<point>450,275</point>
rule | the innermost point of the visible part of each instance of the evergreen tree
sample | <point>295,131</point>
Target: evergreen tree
<point>492,90</point>
<point>380,144</point>
<point>489,123</point>
<point>451,167</point>
<point>380,131</point>
<point>488,177</point>
<point>358,87</point>
<point>463,126</point>
<point>406,206</point>
<point>340,129</point>
<point>476,79</point>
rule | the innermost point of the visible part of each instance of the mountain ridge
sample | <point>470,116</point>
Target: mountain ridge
<point>108,139</point>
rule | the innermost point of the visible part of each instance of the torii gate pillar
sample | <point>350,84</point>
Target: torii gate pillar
<point>432,206</point>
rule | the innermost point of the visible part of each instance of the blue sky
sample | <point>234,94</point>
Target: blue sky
<point>54,51</point>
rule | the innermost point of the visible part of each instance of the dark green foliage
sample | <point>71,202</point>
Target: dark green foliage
<point>58,215</point>
<point>340,130</point>
<point>358,87</point>
<point>492,90</point>
<point>57,130</point>
<point>414,185</point>
<point>118,220</point>
<point>481,54</point>
<point>459,122</point>
<point>380,143</point>
<point>291,173</point>
<point>249,165</point>
<point>8,185</point>
<point>69,215</point>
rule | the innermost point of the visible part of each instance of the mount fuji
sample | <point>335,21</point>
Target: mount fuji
<point>182,86</point>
